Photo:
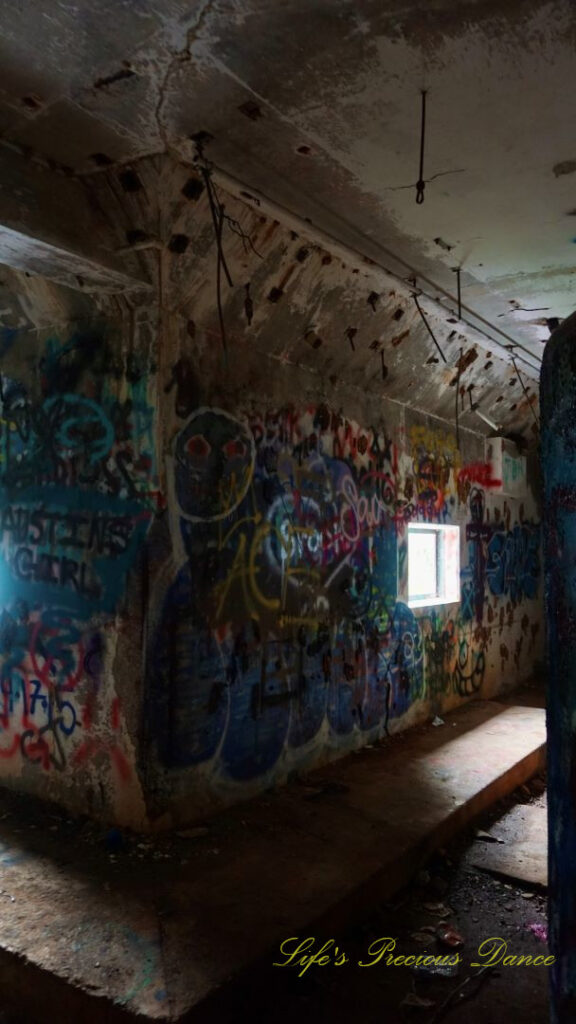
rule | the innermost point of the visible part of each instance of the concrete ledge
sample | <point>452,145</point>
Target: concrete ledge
<point>49,226</point>
<point>163,924</point>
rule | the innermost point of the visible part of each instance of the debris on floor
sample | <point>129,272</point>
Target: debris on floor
<point>475,907</point>
<point>449,937</point>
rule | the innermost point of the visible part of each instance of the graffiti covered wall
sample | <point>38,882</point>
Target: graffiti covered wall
<point>77,493</point>
<point>281,635</point>
<point>305,420</point>
<point>205,494</point>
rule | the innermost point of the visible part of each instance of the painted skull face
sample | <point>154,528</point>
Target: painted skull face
<point>214,463</point>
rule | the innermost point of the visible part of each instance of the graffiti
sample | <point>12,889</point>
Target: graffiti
<point>97,747</point>
<point>46,665</point>
<point>478,534</point>
<point>78,426</point>
<point>45,744</point>
<point>303,538</point>
<point>359,512</point>
<point>439,646</point>
<point>404,663</point>
<point>49,686</point>
<point>249,697</point>
<point>282,624</point>
<point>77,556</point>
<point>469,669</point>
<point>479,473</point>
<point>455,663</point>
<point>428,487</point>
<point>513,471</point>
<point>506,561</point>
<point>284,615</point>
<point>76,499</point>
<point>513,563</point>
<point>214,462</point>
<point>93,444</point>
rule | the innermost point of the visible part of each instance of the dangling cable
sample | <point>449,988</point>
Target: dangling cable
<point>221,264</point>
<point>427,325</point>
<point>217,214</point>
<point>421,184</point>
<point>526,395</point>
<point>457,272</point>
<point>457,397</point>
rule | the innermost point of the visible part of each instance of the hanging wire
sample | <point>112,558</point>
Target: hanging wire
<point>235,225</point>
<point>457,397</point>
<point>435,293</point>
<point>217,214</point>
<point>221,264</point>
<point>427,325</point>
<point>457,272</point>
<point>526,395</point>
<point>421,184</point>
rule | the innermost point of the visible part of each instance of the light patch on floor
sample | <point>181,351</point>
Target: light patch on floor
<point>521,847</point>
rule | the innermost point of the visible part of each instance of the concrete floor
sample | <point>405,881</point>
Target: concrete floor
<point>105,926</point>
<point>475,903</point>
<point>520,849</point>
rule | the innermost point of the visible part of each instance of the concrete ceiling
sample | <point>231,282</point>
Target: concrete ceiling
<point>316,103</point>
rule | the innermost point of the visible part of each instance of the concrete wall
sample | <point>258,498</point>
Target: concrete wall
<point>77,494</point>
<point>278,639</point>
<point>297,450</point>
<point>203,537</point>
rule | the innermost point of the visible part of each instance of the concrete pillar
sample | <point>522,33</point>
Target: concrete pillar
<point>558,441</point>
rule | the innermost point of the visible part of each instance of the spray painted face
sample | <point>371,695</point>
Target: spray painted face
<point>214,464</point>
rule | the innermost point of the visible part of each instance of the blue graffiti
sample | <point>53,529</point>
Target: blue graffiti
<point>78,425</point>
<point>513,562</point>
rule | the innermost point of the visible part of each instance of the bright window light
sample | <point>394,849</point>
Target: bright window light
<point>433,564</point>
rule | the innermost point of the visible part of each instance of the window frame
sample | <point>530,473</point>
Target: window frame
<point>447,589</point>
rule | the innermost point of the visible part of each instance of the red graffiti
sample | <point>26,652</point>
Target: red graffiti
<point>478,473</point>
<point>92,746</point>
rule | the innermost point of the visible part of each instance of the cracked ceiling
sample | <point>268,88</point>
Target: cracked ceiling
<point>317,106</point>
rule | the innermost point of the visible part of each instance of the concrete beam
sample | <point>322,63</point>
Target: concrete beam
<point>49,226</point>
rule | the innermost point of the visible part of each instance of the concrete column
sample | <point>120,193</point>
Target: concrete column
<point>558,441</point>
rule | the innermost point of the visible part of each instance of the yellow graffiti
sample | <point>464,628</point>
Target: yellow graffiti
<point>434,442</point>
<point>246,571</point>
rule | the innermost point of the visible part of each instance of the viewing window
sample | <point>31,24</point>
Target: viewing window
<point>433,564</point>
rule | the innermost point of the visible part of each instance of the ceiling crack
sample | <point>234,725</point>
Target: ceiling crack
<point>178,57</point>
